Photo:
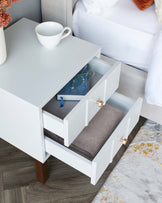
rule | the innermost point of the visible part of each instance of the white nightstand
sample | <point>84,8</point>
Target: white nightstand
<point>33,75</point>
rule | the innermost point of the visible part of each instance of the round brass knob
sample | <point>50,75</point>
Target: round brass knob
<point>100,103</point>
<point>124,140</point>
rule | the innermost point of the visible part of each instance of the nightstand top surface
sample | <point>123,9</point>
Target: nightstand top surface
<point>34,73</point>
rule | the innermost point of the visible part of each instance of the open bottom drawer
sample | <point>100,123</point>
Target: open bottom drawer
<point>95,168</point>
<point>69,121</point>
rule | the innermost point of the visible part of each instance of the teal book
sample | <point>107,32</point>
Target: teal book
<point>76,88</point>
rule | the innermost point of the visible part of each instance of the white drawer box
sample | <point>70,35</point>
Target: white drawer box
<point>95,168</point>
<point>77,116</point>
<point>27,107</point>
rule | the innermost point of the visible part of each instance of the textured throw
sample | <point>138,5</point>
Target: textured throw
<point>93,137</point>
<point>138,175</point>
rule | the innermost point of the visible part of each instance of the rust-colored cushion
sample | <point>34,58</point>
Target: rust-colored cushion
<point>143,4</point>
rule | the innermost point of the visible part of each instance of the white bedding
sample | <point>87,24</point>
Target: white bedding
<point>153,88</point>
<point>128,39</point>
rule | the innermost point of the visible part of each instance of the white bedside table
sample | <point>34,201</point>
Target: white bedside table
<point>33,75</point>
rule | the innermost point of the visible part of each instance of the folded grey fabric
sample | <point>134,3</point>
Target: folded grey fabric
<point>89,142</point>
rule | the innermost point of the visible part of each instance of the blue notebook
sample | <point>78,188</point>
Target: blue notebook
<point>76,88</point>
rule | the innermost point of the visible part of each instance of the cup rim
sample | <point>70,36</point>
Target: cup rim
<point>44,23</point>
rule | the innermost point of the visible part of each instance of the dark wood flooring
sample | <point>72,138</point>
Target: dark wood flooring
<point>18,182</point>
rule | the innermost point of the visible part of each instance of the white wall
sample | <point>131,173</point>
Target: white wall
<point>26,8</point>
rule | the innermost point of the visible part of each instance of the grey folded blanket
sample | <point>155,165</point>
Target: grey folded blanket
<point>89,142</point>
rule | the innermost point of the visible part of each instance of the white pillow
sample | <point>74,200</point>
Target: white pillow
<point>98,6</point>
<point>158,9</point>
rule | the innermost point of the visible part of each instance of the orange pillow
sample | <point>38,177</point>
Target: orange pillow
<point>143,4</point>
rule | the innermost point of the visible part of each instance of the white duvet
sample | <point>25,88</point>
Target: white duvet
<point>153,88</point>
<point>132,43</point>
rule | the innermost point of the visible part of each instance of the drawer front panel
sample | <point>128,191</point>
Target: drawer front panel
<point>113,144</point>
<point>103,91</point>
<point>67,156</point>
<point>123,133</point>
<point>74,123</point>
<point>53,124</point>
<point>101,161</point>
<point>112,83</point>
<point>129,122</point>
<point>97,95</point>
<point>134,114</point>
<point>108,151</point>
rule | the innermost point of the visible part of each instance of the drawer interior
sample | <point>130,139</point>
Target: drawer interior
<point>121,102</point>
<point>98,68</point>
<point>92,138</point>
<point>120,105</point>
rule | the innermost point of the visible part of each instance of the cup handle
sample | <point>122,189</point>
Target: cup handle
<point>66,34</point>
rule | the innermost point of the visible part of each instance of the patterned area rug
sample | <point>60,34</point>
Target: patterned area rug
<point>138,175</point>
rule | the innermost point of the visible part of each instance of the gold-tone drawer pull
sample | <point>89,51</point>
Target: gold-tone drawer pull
<point>100,103</point>
<point>124,140</point>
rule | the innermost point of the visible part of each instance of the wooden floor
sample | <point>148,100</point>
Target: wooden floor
<point>18,182</point>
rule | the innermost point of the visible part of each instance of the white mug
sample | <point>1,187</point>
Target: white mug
<point>51,33</point>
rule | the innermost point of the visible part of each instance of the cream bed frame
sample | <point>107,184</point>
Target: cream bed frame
<point>132,80</point>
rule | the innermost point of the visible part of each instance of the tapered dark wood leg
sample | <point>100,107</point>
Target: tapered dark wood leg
<point>41,171</point>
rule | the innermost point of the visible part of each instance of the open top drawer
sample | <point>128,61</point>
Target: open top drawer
<point>95,168</point>
<point>69,121</point>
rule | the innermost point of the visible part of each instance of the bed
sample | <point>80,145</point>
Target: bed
<point>119,37</point>
<point>133,76</point>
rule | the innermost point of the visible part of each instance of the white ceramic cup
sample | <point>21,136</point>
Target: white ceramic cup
<point>51,33</point>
